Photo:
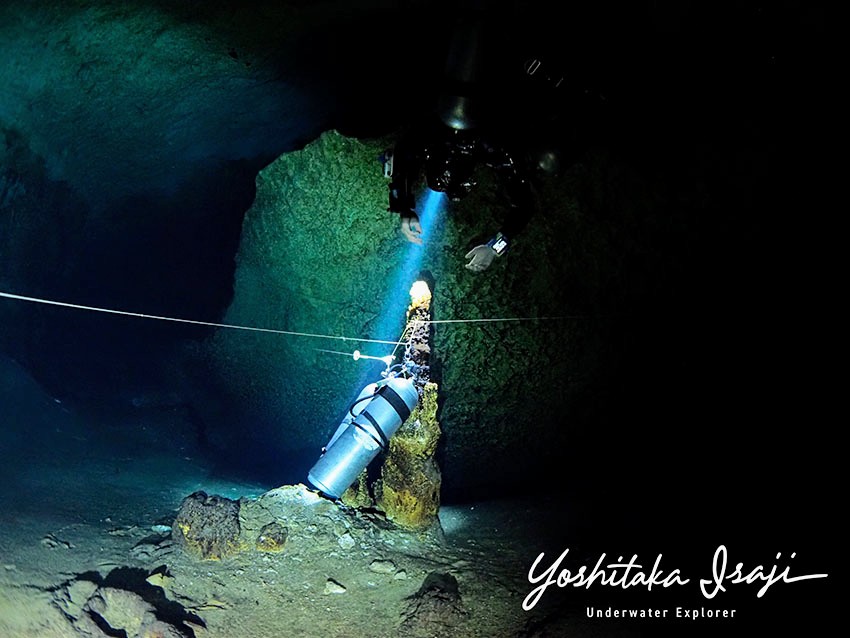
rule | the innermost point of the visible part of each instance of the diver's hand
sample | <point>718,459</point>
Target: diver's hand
<point>411,228</point>
<point>480,258</point>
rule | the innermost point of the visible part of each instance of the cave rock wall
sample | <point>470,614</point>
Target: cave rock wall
<point>321,255</point>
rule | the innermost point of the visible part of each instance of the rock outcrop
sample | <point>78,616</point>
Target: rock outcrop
<point>320,255</point>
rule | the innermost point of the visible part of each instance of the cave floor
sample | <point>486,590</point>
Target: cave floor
<point>78,511</point>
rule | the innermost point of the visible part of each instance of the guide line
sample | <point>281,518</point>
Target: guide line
<point>140,315</point>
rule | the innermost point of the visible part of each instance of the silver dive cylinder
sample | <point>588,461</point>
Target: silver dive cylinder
<point>359,439</point>
<point>355,409</point>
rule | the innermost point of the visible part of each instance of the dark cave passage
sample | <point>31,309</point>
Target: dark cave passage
<point>131,146</point>
<point>154,255</point>
<point>133,200</point>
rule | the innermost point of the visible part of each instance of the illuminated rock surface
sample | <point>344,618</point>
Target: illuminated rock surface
<point>319,250</point>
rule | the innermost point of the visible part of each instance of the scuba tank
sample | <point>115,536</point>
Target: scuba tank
<point>375,416</point>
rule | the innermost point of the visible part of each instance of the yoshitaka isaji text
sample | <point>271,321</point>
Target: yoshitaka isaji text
<point>631,574</point>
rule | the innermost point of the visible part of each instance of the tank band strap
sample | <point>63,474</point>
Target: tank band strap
<point>382,442</point>
<point>394,399</point>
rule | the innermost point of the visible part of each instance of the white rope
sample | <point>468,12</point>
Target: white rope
<point>51,302</point>
<point>314,335</point>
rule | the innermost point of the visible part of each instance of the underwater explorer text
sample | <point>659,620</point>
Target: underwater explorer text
<point>631,574</point>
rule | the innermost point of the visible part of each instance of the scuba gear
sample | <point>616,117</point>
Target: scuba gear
<point>449,165</point>
<point>499,243</point>
<point>364,432</point>
<point>448,146</point>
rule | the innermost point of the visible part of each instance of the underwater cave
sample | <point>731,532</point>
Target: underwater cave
<point>199,273</point>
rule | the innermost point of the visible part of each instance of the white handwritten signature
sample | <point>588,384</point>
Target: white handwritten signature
<point>737,576</point>
<point>630,574</point>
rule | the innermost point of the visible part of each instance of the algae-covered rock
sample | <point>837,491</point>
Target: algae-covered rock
<point>359,493</point>
<point>272,537</point>
<point>207,525</point>
<point>435,609</point>
<point>409,488</point>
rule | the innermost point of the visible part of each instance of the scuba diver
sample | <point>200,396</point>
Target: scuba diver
<point>449,157</point>
<point>452,143</point>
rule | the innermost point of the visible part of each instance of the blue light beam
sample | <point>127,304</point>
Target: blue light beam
<point>430,206</point>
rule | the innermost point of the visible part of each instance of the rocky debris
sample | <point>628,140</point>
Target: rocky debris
<point>334,562</point>
<point>126,602</point>
<point>207,525</point>
<point>119,610</point>
<point>333,587</point>
<point>382,567</point>
<point>292,520</point>
<point>346,541</point>
<point>296,541</point>
<point>312,522</point>
<point>71,599</point>
<point>50,541</point>
<point>161,579</point>
<point>153,549</point>
<point>434,610</point>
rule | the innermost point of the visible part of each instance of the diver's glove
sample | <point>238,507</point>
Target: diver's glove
<point>482,256</point>
<point>411,228</point>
